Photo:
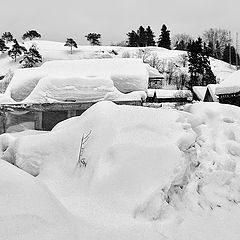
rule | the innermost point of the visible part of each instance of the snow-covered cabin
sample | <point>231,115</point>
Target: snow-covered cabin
<point>228,91</point>
<point>44,96</point>
<point>164,95</point>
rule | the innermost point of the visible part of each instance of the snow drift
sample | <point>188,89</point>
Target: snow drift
<point>141,173</point>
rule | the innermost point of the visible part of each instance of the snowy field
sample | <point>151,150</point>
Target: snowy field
<point>142,173</point>
<point>57,51</point>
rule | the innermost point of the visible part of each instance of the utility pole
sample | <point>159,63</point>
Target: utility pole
<point>230,62</point>
<point>236,50</point>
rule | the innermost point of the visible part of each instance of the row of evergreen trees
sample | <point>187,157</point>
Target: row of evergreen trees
<point>145,37</point>
<point>217,40</point>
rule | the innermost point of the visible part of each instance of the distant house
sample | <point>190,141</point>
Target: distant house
<point>210,95</point>
<point>164,95</point>
<point>230,98</point>
<point>199,92</point>
<point>228,91</point>
<point>155,82</point>
<point>205,93</point>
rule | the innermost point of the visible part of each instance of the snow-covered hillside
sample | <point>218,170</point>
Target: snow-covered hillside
<point>142,174</point>
<point>57,51</point>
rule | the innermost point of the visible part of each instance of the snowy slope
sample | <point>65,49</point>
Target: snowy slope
<point>150,173</point>
<point>57,51</point>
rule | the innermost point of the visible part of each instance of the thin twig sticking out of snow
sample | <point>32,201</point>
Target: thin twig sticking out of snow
<point>81,160</point>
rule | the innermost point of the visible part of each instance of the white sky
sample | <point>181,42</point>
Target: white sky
<point>58,19</point>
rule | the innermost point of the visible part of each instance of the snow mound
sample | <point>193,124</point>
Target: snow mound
<point>230,84</point>
<point>140,173</point>
<point>29,210</point>
<point>79,78</point>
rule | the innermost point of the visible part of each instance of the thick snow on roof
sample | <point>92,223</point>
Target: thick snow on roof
<point>149,174</point>
<point>230,84</point>
<point>212,90</point>
<point>81,80</point>
<point>167,93</point>
<point>200,91</point>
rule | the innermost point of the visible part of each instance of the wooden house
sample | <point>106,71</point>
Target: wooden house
<point>230,98</point>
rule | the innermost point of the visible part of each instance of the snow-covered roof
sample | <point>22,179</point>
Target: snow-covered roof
<point>230,84</point>
<point>165,93</point>
<point>89,79</point>
<point>200,91</point>
<point>212,89</point>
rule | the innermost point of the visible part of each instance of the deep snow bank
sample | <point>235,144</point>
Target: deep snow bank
<point>29,210</point>
<point>80,78</point>
<point>142,173</point>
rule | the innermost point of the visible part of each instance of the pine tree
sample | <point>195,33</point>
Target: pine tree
<point>210,49</point>
<point>7,36</point>
<point>199,64</point>
<point>132,39</point>
<point>142,37</point>
<point>70,43</point>
<point>31,58</point>
<point>150,37</point>
<point>164,38</point>
<point>208,76</point>
<point>93,38</point>
<point>3,47</point>
<point>226,56</point>
<point>218,52</point>
<point>31,35</point>
<point>16,50</point>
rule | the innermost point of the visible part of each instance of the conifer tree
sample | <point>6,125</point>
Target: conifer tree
<point>16,50</point>
<point>32,34</point>
<point>31,58</point>
<point>70,43</point>
<point>142,37</point>
<point>7,37</point>
<point>94,38</point>
<point>132,39</point>
<point>150,37</point>
<point>164,38</point>
<point>3,47</point>
<point>226,55</point>
<point>199,64</point>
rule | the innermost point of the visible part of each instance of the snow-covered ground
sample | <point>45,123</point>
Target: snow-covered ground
<point>57,51</point>
<point>142,173</point>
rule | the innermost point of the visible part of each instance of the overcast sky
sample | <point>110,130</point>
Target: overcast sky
<point>58,19</point>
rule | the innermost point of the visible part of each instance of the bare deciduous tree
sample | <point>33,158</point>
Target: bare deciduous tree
<point>177,38</point>
<point>218,38</point>
<point>81,160</point>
